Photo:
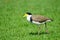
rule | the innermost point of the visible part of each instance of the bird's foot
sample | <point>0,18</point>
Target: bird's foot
<point>47,31</point>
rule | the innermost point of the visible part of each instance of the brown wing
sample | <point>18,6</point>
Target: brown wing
<point>39,18</point>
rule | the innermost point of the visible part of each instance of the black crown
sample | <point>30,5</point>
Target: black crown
<point>28,13</point>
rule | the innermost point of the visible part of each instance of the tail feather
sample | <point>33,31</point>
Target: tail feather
<point>49,20</point>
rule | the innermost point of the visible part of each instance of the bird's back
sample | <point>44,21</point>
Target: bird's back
<point>39,18</point>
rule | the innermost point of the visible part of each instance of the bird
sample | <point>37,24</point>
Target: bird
<point>37,19</point>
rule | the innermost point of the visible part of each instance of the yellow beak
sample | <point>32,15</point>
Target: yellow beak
<point>25,15</point>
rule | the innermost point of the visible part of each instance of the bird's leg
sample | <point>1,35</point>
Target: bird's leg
<point>38,30</point>
<point>46,29</point>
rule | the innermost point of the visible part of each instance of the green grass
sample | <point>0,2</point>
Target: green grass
<point>13,27</point>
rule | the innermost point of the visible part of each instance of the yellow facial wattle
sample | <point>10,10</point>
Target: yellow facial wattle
<point>25,15</point>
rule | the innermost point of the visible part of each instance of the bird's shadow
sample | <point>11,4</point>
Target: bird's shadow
<point>36,33</point>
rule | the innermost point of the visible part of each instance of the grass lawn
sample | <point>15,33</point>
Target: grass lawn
<point>14,27</point>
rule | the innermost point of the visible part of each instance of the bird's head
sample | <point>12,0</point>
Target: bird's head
<point>27,14</point>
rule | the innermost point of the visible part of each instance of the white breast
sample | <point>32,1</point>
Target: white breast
<point>28,17</point>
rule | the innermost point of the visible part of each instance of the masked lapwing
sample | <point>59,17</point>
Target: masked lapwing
<point>37,19</point>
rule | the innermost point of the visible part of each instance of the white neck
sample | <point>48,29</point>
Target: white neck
<point>28,17</point>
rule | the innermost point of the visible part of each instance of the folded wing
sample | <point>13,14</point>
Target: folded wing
<point>39,18</point>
